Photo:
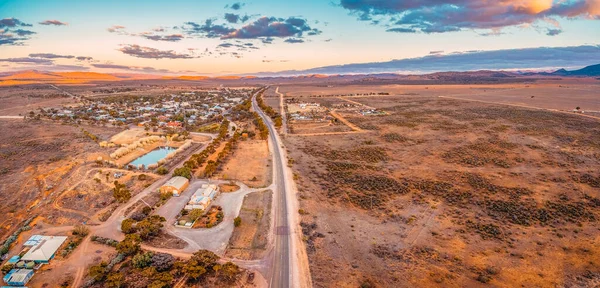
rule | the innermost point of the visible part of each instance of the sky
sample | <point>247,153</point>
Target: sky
<point>227,37</point>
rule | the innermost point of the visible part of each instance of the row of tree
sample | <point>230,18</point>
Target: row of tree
<point>277,119</point>
<point>198,159</point>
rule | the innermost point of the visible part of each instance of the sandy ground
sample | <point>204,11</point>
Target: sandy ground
<point>129,136</point>
<point>250,160</point>
<point>250,239</point>
<point>413,201</point>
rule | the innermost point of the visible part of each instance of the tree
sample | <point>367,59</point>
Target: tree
<point>150,226</point>
<point>194,269</point>
<point>161,280</point>
<point>195,214</point>
<point>115,280</point>
<point>130,245</point>
<point>237,221</point>
<point>200,263</point>
<point>142,260</point>
<point>227,272</point>
<point>97,272</point>
<point>183,172</point>
<point>162,170</point>
<point>127,226</point>
<point>208,258</point>
<point>121,193</point>
<point>210,169</point>
<point>80,230</point>
<point>162,261</point>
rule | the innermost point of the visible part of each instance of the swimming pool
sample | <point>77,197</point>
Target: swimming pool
<point>153,156</point>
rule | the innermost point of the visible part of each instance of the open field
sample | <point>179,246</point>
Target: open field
<point>21,100</point>
<point>39,161</point>
<point>250,164</point>
<point>249,240</point>
<point>450,193</point>
<point>564,94</point>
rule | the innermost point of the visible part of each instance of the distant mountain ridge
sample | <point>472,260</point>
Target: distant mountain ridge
<point>589,71</point>
<point>481,76</point>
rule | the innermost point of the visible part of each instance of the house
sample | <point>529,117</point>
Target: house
<point>18,277</point>
<point>174,124</point>
<point>175,185</point>
<point>203,197</point>
<point>199,203</point>
<point>44,250</point>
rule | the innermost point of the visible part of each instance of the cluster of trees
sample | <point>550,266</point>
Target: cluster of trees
<point>269,110</point>
<point>158,270</point>
<point>145,229</point>
<point>121,193</point>
<point>204,263</point>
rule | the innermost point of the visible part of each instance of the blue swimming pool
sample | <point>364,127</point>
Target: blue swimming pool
<point>153,156</point>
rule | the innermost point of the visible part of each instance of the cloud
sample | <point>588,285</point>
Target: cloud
<point>436,52</point>
<point>272,27</point>
<point>11,39</point>
<point>54,22</point>
<point>129,68</point>
<point>28,60</point>
<point>22,32</point>
<point>553,32</point>
<point>293,40</point>
<point>526,58</point>
<point>83,58</point>
<point>208,29</point>
<point>12,22</point>
<point>116,29</point>
<point>235,18</point>
<point>235,6</point>
<point>50,56</point>
<point>401,30</point>
<point>152,53</point>
<point>11,36</point>
<point>432,16</point>
<point>168,38</point>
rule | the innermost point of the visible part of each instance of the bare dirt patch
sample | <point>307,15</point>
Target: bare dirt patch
<point>166,241</point>
<point>249,240</point>
<point>250,164</point>
<point>229,187</point>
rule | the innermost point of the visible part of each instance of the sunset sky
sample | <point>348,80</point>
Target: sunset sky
<point>219,37</point>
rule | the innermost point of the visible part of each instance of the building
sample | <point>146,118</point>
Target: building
<point>202,203</point>
<point>44,250</point>
<point>175,185</point>
<point>14,259</point>
<point>18,277</point>
<point>203,197</point>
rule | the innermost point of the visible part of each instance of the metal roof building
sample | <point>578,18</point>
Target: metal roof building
<point>175,185</point>
<point>44,251</point>
<point>18,277</point>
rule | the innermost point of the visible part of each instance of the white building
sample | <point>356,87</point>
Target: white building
<point>44,250</point>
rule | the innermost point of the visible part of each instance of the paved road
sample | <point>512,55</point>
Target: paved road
<point>282,263</point>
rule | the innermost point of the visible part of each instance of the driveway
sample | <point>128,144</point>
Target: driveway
<point>216,238</point>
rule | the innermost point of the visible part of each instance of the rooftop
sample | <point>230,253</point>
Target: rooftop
<point>45,249</point>
<point>177,182</point>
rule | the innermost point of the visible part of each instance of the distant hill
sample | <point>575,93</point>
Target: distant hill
<point>589,71</point>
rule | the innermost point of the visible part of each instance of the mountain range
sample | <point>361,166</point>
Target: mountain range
<point>36,77</point>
